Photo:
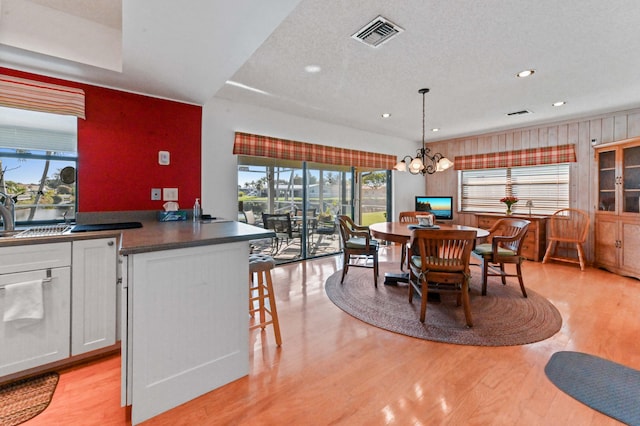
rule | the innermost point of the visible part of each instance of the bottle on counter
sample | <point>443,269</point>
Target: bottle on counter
<point>197,212</point>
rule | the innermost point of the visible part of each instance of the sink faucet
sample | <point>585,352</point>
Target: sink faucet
<point>8,212</point>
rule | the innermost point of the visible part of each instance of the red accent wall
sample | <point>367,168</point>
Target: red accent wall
<point>118,146</point>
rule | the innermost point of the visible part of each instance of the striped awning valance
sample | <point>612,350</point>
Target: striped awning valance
<point>520,158</point>
<point>265,146</point>
<point>44,97</point>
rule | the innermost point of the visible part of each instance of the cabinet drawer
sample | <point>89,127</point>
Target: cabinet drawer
<point>31,257</point>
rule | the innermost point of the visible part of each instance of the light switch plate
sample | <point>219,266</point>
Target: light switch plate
<point>156,194</point>
<point>170,194</point>
<point>164,158</point>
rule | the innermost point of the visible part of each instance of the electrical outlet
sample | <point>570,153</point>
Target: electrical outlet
<point>170,194</point>
<point>156,195</point>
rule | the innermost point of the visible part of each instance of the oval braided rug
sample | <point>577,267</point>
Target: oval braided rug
<point>501,318</point>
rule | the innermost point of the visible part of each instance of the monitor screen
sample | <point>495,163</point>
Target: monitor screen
<point>441,207</point>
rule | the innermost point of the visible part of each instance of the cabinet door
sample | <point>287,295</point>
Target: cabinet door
<point>630,247</point>
<point>28,345</point>
<point>631,179</point>
<point>606,233</point>
<point>93,305</point>
<point>607,180</point>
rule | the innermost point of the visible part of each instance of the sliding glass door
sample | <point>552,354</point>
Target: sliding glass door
<point>300,202</point>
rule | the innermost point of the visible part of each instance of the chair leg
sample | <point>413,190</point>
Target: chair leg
<point>403,255</point>
<point>272,309</point>
<point>345,266</point>
<point>550,251</point>
<point>503,274</point>
<point>580,256</point>
<point>375,269</point>
<point>423,304</point>
<point>519,270</point>
<point>485,273</point>
<point>466,303</point>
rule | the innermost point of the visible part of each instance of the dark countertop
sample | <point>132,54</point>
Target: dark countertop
<point>155,236</point>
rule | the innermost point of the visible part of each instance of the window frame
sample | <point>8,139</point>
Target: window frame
<point>527,183</point>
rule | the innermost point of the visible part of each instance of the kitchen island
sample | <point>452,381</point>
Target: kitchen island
<point>184,317</point>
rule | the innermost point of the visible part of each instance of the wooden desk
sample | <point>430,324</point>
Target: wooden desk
<point>399,232</point>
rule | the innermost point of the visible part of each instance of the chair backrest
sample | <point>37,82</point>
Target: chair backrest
<point>251,218</point>
<point>279,223</point>
<point>349,229</point>
<point>515,229</point>
<point>443,250</point>
<point>569,225</point>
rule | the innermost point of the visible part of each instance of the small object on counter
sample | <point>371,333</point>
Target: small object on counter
<point>196,210</point>
<point>172,216</point>
<point>171,206</point>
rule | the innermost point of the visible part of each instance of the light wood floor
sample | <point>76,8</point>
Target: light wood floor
<point>334,369</point>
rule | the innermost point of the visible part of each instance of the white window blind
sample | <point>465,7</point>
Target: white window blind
<point>32,130</point>
<point>547,187</point>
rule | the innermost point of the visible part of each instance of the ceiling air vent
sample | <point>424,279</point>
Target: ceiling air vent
<point>523,112</point>
<point>377,32</point>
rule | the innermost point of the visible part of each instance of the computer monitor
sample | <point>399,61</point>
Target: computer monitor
<point>440,206</point>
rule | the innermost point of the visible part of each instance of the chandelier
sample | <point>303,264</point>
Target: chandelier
<point>423,163</point>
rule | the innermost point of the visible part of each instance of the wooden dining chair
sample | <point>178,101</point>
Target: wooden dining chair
<point>408,217</point>
<point>568,229</point>
<point>358,247</point>
<point>505,246</point>
<point>439,263</point>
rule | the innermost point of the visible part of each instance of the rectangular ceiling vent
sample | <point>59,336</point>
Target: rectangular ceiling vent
<point>377,32</point>
<point>523,112</point>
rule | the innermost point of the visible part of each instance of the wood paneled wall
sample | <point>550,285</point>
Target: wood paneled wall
<point>601,129</point>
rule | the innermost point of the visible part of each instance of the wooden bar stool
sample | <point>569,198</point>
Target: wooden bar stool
<point>260,265</point>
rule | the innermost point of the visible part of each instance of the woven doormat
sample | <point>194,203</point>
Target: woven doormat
<point>611,388</point>
<point>25,399</point>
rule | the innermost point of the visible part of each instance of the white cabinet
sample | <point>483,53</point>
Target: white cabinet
<point>24,346</point>
<point>93,303</point>
<point>187,329</point>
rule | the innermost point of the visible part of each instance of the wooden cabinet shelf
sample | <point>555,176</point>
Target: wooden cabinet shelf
<point>617,222</point>
<point>535,242</point>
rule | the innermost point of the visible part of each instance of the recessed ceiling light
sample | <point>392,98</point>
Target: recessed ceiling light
<point>559,103</point>
<point>525,73</point>
<point>386,115</point>
<point>312,69</point>
<point>435,129</point>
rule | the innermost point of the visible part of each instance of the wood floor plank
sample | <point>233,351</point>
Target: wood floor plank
<point>335,369</point>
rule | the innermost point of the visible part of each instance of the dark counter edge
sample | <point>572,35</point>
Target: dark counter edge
<point>219,233</point>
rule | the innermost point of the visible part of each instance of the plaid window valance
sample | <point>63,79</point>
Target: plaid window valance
<point>44,97</point>
<point>520,158</point>
<point>265,146</point>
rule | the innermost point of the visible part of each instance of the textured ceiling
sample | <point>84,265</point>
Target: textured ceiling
<point>467,52</point>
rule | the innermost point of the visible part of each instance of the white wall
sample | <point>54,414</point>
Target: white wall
<point>222,118</point>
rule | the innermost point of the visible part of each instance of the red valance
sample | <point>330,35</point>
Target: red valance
<point>44,97</point>
<point>265,146</point>
<point>520,158</point>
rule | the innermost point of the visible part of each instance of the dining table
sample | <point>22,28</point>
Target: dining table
<point>400,232</point>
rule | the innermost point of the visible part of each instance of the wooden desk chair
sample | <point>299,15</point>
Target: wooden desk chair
<point>409,217</point>
<point>506,236</point>
<point>439,263</point>
<point>359,248</point>
<point>567,227</point>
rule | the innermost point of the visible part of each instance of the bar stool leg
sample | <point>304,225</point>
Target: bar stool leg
<point>273,310</point>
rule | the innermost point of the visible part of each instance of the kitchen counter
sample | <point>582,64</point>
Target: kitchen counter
<point>155,236</point>
<point>185,319</point>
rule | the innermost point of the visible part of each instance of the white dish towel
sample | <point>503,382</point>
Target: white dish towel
<point>23,301</point>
